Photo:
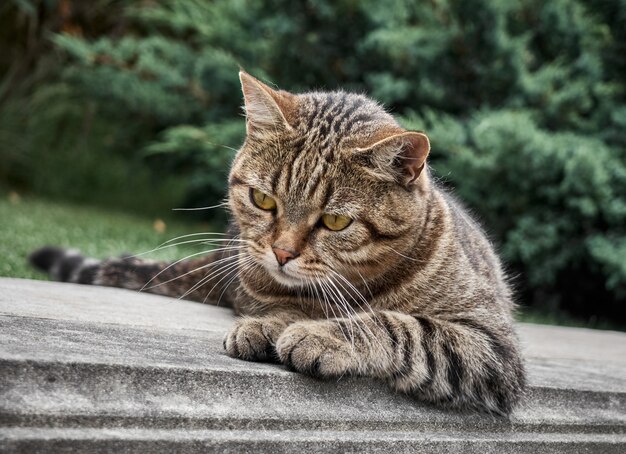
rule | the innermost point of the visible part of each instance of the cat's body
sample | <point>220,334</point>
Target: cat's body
<point>345,258</point>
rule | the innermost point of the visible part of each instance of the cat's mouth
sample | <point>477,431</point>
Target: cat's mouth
<point>287,275</point>
<point>286,278</point>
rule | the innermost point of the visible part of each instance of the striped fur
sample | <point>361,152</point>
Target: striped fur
<point>411,292</point>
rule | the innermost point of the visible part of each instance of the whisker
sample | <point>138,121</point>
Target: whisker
<point>363,324</point>
<point>312,287</point>
<point>196,234</point>
<point>323,288</point>
<point>405,256</point>
<point>171,265</point>
<point>187,236</point>
<point>309,290</point>
<point>358,293</point>
<point>207,265</point>
<point>350,285</point>
<point>238,274</point>
<point>198,241</point>
<point>225,267</point>
<point>365,284</point>
<point>201,208</point>
<point>227,242</point>
<point>355,318</point>
<point>221,145</point>
<point>237,265</point>
<point>345,306</point>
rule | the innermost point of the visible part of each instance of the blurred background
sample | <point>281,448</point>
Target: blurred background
<point>114,112</point>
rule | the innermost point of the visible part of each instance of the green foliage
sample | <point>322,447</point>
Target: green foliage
<point>203,149</point>
<point>70,132</point>
<point>556,201</point>
<point>524,103</point>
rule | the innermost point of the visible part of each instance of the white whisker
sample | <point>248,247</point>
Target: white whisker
<point>226,272</point>
<point>197,241</point>
<point>345,306</point>
<point>195,234</point>
<point>365,284</point>
<point>324,289</point>
<point>225,267</point>
<point>405,256</point>
<point>238,274</point>
<point>363,325</point>
<point>207,265</point>
<point>171,265</point>
<point>201,208</point>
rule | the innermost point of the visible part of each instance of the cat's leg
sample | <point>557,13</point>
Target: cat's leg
<point>254,338</point>
<point>462,361</point>
<point>204,279</point>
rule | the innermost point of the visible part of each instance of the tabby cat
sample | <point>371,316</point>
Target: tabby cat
<point>344,257</point>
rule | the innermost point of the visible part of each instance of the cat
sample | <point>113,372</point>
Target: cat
<point>344,257</point>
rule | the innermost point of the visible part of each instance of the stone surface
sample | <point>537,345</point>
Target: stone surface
<point>101,369</point>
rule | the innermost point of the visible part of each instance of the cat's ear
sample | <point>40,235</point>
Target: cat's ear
<point>401,155</point>
<point>266,109</point>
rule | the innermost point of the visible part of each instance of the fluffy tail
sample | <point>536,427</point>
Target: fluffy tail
<point>211,279</point>
<point>65,265</point>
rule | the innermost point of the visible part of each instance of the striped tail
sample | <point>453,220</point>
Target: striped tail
<point>210,279</point>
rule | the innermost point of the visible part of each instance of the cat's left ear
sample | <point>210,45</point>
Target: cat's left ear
<point>267,110</point>
<point>403,153</point>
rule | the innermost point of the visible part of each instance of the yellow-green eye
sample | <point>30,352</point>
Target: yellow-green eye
<point>336,221</point>
<point>262,200</point>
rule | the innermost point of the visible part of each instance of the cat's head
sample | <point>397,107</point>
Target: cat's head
<point>325,183</point>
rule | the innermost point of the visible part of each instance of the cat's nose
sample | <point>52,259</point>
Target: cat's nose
<point>284,255</point>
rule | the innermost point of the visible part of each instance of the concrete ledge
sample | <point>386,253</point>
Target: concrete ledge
<point>106,370</point>
<point>237,441</point>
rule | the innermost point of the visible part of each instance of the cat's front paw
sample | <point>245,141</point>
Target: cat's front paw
<point>317,349</point>
<point>253,339</point>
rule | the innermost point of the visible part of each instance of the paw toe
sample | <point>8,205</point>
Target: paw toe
<point>314,354</point>
<point>248,341</point>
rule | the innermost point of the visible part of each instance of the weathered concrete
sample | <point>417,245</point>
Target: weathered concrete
<point>105,370</point>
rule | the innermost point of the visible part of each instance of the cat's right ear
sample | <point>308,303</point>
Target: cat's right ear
<point>267,110</point>
<point>400,156</point>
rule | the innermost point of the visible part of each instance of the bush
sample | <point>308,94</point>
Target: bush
<point>554,201</point>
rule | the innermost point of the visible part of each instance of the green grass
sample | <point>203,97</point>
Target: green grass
<point>28,223</point>
<point>530,315</point>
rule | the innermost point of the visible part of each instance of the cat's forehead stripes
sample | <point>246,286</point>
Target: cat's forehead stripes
<point>329,122</point>
<point>328,119</point>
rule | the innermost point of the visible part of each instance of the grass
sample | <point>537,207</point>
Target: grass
<point>531,315</point>
<point>28,223</point>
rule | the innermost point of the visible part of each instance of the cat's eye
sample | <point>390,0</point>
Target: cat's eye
<point>336,222</point>
<point>262,200</point>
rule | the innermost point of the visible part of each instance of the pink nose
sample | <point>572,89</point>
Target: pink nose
<point>284,255</point>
